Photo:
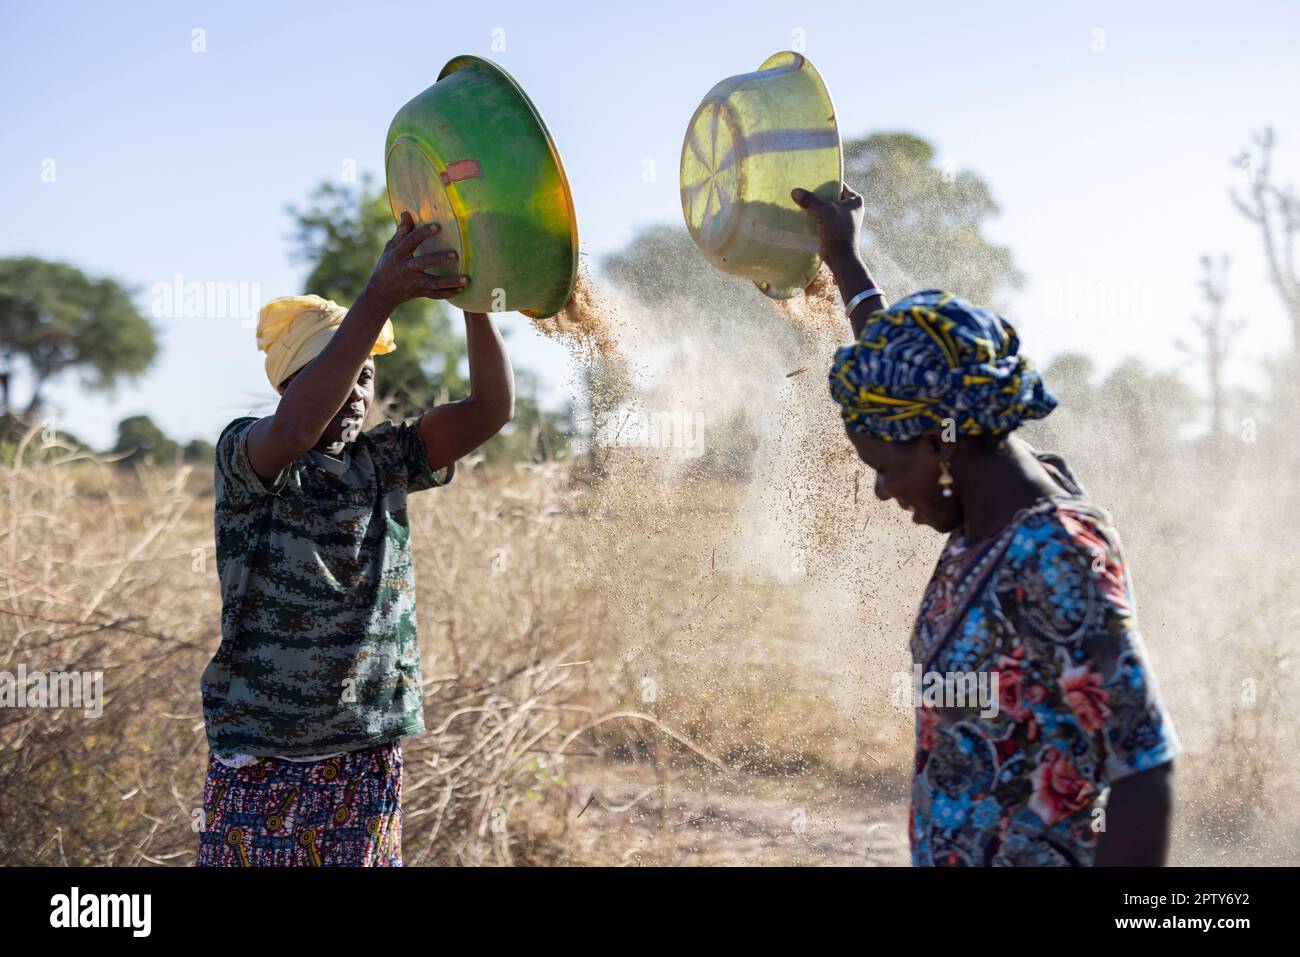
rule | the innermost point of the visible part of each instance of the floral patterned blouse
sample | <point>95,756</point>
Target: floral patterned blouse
<point>1047,607</point>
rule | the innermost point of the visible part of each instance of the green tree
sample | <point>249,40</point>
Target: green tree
<point>54,318</point>
<point>923,223</point>
<point>662,263</point>
<point>199,450</point>
<point>1150,408</point>
<point>1131,422</point>
<point>922,228</point>
<point>138,436</point>
<point>1070,377</point>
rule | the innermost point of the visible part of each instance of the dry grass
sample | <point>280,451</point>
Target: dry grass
<point>627,671</point>
<point>112,570</point>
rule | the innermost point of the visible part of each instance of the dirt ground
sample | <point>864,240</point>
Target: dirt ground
<point>750,820</point>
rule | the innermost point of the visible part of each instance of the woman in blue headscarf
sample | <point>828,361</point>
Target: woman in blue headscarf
<point>1041,737</point>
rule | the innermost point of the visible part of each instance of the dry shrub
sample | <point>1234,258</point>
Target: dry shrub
<point>607,662</point>
<point>508,643</point>
<point>108,569</point>
<point>103,569</point>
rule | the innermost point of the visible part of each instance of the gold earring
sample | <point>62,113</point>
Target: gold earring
<point>945,480</point>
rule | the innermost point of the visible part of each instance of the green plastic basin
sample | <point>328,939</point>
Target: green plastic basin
<point>472,153</point>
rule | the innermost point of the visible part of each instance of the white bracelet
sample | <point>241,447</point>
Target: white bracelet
<point>865,294</point>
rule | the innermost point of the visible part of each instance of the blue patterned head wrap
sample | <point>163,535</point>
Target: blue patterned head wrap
<point>931,357</point>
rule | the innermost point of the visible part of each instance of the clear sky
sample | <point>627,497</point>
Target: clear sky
<point>1109,152</point>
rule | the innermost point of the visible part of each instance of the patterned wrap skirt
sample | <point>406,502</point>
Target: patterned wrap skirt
<point>343,811</point>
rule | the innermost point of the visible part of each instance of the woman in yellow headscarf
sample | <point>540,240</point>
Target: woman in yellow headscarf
<point>293,330</point>
<point>317,677</point>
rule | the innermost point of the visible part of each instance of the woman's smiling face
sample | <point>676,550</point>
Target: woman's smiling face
<point>350,419</point>
<point>908,472</point>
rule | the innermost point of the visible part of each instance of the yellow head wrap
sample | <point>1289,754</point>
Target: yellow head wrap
<point>292,330</point>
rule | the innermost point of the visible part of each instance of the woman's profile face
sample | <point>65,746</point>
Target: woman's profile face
<point>908,472</point>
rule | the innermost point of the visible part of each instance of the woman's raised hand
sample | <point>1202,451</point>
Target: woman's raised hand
<point>400,276</point>
<point>838,222</point>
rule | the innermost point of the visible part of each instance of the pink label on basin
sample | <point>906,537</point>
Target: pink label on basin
<point>459,170</point>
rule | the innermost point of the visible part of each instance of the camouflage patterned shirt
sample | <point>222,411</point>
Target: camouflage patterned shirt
<point>318,645</point>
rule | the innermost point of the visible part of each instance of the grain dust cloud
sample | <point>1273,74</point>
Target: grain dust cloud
<point>760,595</point>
